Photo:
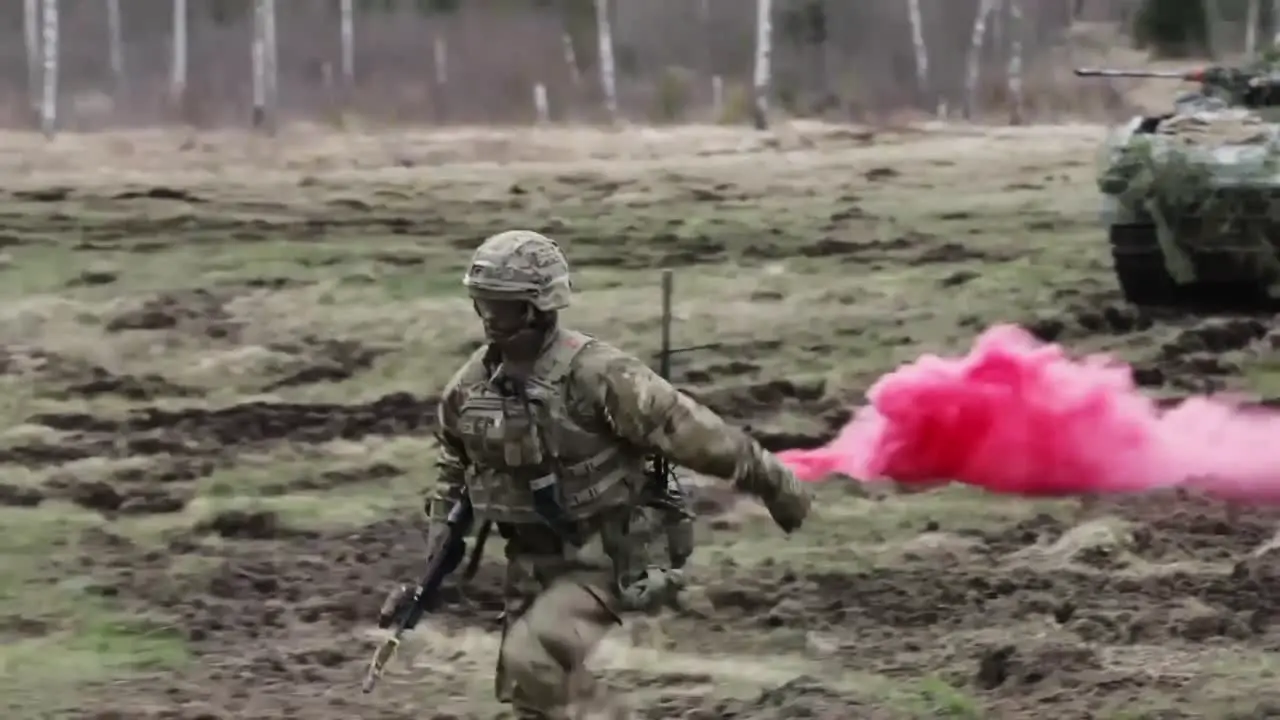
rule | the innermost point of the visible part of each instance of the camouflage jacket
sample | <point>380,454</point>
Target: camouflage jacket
<point>606,409</point>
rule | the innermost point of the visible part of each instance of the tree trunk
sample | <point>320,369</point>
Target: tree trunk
<point>49,66</point>
<point>347,30</point>
<point>763,64</point>
<point>923,86</point>
<point>1251,29</point>
<point>259,65</point>
<point>178,63</point>
<point>1017,31</point>
<point>1213,28</point>
<point>31,36</point>
<point>704,24</point>
<point>272,64</point>
<point>115,45</point>
<point>571,58</point>
<point>604,44</point>
<point>440,58</point>
<point>1275,23</point>
<point>974,69</point>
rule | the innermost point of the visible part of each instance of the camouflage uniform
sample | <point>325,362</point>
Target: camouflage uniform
<point>558,462</point>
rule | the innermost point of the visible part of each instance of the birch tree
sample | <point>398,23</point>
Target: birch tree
<point>49,66</point>
<point>1275,23</point>
<point>921,51</point>
<point>570,58</point>
<point>31,37</point>
<point>178,63</point>
<point>974,64</point>
<point>1017,30</point>
<point>1213,27</point>
<point>273,60</point>
<point>115,44</point>
<point>1251,28</point>
<point>347,22</point>
<point>440,57</point>
<point>264,65</point>
<point>763,76</point>
<point>608,72</point>
<point>259,63</point>
<point>704,24</point>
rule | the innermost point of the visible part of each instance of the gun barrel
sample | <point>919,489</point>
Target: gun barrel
<point>1107,72</point>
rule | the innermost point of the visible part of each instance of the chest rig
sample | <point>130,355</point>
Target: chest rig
<point>531,463</point>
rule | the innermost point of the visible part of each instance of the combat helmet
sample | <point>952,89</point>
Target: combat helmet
<point>520,265</point>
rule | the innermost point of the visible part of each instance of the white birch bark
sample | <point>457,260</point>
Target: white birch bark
<point>541,107</point>
<point>178,64</point>
<point>1212,18</point>
<point>259,57</point>
<point>974,68</point>
<point>704,23</point>
<point>1275,22</point>
<point>571,58</point>
<point>763,76</point>
<point>31,37</point>
<point>115,44</point>
<point>608,73</point>
<point>1017,31</point>
<point>923,86</point>
<point>1251,28</point>
<point>49,67</point>
<point>272,64</point>
<point>440,53</point>
<point>347,19</point>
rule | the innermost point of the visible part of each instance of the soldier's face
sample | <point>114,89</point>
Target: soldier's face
<point>503,318</point>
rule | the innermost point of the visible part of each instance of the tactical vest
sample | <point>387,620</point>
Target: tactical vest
<point>512,454</point>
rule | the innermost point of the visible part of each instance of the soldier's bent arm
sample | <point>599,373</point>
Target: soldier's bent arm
<point>649,412</point>
<point>451,462</point>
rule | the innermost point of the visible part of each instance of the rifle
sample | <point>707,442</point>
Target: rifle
<point>444,555</point>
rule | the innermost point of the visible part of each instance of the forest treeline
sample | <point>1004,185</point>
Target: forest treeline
<point>469,61</point>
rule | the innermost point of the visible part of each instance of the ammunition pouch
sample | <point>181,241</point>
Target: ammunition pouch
<point>546,503</point>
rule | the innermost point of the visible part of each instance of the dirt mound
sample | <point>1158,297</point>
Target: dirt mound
<point>19,496</point>
<point>143,387</point>
<point>327,360</point>
<point>67,377</point>
<point>198,311</point>
<point>755,405</point>
<point>1178,524</point>
<point>112,500</point>
<point>803,697</point>
<point>331,479</point>
<point>199,431</point>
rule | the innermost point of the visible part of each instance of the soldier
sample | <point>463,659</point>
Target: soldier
<point>548,430</point>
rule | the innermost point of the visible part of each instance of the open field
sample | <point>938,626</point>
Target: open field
<point>219,358</point>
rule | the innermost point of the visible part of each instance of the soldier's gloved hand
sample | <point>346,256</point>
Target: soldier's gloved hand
<point>786,498</point>
<point>656,587</point>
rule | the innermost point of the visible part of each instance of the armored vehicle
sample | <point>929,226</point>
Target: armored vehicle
<point>1191,197</point>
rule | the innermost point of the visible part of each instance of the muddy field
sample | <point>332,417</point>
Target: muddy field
<point>220,358</point>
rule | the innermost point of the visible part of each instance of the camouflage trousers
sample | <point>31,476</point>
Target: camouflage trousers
<point>558,609</point>
<point>542,660</point>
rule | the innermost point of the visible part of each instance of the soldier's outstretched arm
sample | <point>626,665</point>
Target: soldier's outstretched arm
<point>649,412</point>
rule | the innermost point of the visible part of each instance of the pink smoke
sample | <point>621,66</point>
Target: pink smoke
<point>1018,416</point>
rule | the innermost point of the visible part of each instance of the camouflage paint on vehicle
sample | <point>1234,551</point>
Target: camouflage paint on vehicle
<point>1191,198</point>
